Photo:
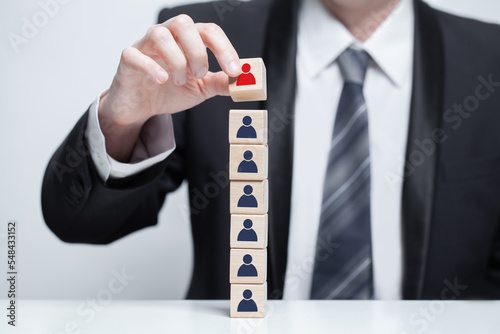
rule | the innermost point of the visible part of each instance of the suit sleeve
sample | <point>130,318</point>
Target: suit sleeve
<point>493,275</point>
<point>78,206</point>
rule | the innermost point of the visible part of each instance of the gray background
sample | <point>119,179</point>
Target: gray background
<point>45,87</point>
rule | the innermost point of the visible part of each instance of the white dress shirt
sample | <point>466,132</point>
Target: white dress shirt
<point>156,142</point>
<point>387,92</point>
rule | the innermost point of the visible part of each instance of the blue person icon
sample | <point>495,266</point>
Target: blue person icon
<point>247,304</point>
<point>246,130</point>
<point>247,269</point>
<point>247,165</point>
<point>247,233</point>
<point>247,200</point>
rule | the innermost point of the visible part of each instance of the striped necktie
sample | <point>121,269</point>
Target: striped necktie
<point>344,271</point>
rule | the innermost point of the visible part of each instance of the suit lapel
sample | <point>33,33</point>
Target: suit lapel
<point>279,57</point>
<point>425,116</point>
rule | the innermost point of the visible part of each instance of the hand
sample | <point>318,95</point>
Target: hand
<point>164,72</point>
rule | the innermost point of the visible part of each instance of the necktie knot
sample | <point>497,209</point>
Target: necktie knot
<point>353,64</point>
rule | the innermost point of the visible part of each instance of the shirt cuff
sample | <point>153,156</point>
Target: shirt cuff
<point>155,143</point>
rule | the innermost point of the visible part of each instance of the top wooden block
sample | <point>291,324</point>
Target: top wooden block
<point>250,85</point>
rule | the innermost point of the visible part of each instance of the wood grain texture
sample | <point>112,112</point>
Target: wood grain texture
<point>258,295</point>
<point>242,237</point>
<point>249,86</point>
<point>255,202</point>
<point>258,123</point>
<point>248,162</point>
<point>248,266</point>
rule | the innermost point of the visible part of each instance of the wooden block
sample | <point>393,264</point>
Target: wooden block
<point>247,126</point>
<point>249,231</point>
<point>248,162</point>
<point>248,300</point>
<point>250,85</point>
<point>248,266</point>
<point>249,197</point>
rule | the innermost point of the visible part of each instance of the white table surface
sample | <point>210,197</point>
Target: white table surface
<point>154,316</point>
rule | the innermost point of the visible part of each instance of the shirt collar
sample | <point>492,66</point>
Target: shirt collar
<point>322,38</point>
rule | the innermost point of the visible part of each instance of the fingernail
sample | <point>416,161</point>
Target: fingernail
<point>161,76</point>
<point>234,67</point>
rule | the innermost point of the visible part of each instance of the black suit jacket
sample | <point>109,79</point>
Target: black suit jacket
<point>451,192</point>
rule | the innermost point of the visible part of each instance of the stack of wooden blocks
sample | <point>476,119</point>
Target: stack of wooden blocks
<point>248,165</point>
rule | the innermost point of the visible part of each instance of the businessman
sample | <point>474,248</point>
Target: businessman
<point>384,153</point>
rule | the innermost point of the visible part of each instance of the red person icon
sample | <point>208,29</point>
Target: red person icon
<point>246,78</point>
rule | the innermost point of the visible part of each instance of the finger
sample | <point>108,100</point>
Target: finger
<point>185,33</point>
<point>134,61</point>
<point>159,41</point>
<point>215,84</point>
<point>216,40</point>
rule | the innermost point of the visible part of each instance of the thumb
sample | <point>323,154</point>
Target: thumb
<point>215,84</point>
